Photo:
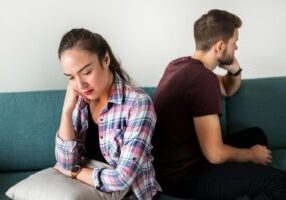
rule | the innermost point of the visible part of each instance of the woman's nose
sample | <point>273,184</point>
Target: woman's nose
<point>81,84</point>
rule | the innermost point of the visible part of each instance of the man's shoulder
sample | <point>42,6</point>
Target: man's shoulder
<point>186,64</point>
<point>181,60</point>
<point>184,61</point>
<point>188,68</point>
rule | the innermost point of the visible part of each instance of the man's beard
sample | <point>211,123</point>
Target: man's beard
<point>225,59</point>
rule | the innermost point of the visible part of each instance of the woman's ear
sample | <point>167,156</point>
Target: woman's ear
<point>106,59</point>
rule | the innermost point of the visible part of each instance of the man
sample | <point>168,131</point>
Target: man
<point>192,159</point>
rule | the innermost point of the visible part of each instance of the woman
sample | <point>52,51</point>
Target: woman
<point>104,118</point>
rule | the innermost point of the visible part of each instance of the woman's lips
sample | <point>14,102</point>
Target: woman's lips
<point>88,92</point>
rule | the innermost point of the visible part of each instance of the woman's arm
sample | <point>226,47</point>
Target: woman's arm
<point>68,149</point>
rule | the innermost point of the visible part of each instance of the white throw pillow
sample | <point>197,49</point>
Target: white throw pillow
<point>49,184</point>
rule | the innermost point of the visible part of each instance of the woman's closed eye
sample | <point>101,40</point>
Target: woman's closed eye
<point>87,72</point>
<point>70,77</point>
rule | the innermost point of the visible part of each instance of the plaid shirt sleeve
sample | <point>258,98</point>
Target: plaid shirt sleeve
<point>136,146</point>
<point>68,152</point>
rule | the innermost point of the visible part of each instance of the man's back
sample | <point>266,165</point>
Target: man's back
<point>186,90</point>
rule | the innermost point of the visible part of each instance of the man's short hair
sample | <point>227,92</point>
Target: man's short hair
<point>214,26</point>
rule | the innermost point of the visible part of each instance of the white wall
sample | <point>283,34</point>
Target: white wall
<point>144,34</point>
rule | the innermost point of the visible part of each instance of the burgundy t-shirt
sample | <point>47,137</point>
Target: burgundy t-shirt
<point>186,90</point>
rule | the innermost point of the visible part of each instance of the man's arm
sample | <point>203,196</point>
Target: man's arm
<point>216,152</point>
<point>230,83</point>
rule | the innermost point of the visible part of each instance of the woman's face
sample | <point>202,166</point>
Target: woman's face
<point>87,75</point>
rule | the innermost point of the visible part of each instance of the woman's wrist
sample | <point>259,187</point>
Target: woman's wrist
<point>67,111</point>
<point>66,130</point>
<point>62,170</point>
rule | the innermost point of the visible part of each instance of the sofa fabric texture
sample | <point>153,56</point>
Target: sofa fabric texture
<point>29,121</point>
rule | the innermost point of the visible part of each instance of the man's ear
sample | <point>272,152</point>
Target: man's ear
<point>219,47</point>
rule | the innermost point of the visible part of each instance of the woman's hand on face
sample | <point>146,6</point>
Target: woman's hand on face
<point>70,100</point>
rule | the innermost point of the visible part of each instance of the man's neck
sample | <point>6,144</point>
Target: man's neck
<point>206,58</point>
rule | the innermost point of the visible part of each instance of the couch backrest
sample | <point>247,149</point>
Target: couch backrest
<point>29,120</point>
<point>28,123</point>
<point>260,102</point>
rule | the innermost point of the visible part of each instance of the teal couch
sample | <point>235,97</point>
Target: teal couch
<point>29,121</point>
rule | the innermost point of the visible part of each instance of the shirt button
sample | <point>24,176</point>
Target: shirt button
<point>101,119</point>
<point>101,137</point>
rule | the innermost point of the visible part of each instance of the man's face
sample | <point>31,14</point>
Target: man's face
<point>228,54</point>
<point>226,58</point>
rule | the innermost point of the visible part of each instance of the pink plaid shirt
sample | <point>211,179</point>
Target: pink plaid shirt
<point>125,130</point>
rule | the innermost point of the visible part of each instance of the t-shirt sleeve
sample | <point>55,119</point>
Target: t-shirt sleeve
<point>203,97</point>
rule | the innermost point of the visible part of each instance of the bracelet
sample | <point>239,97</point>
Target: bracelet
<point>236,73</point>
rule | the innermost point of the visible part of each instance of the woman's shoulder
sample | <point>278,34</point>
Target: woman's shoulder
<point>136,93</point>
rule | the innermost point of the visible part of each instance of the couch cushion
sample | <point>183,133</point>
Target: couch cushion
<point>279,158</point>
<point>149,90</point>
<point>29,121</point>
<point>49,184</point>
<point>8,179</point>
<point>260,102</point>
<point>223,117</point>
